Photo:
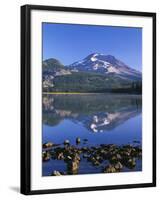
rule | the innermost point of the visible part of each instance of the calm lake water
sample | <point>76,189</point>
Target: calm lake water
<point>96,119</point>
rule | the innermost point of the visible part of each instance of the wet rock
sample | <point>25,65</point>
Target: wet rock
<point>105,154</point>
<point>79,151</point>
<point>47,145</point>
<point>69,157</point>
<point>112,146</point>
<point>46,156</point>
<point>118,166</point>
<point>78,140</point>
<point>110,169</point>
<point>131,163</point>
<point>73,165</point>
<point>137,152</point>
<point>119,157</point>
<point>77,157</point>
<point>97,157</point>
<point>91,159</point>
<point>53,154</point>
<point>102,151</point>
<point>60,156</point>
<point>116,156</point>
<point>46,159</point>
<point>113,160</point>
<point>56,173</point>
<point>84,149</point>
<point>126,154</point>
<point>66,142</point>
<point>96,163</point>
<point>100,159</point>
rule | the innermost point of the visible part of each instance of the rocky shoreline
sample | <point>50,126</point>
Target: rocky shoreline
<point>110,158</point>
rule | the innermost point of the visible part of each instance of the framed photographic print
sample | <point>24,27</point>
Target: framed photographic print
<point>88,99</point>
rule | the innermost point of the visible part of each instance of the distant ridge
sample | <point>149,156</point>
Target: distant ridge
<point>95,73</point>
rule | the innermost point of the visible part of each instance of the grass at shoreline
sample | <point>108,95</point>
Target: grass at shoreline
<point>68,93</point>
<point>84,93</point>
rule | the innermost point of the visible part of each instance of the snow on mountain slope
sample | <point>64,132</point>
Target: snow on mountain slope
<point>105,64</point>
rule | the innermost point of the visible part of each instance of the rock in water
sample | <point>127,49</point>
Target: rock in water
<point>60,156</point>
<point>131,163</point>
<point>73,165</point>
<point>78,140</point>
<point>56,173</point>
<point>110,169</point>
<point>47,145</point>
<point>118,166</point>
<point>46,156</point>
<point>66,142</point>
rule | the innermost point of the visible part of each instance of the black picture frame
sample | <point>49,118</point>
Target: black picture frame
<point>26,98</point>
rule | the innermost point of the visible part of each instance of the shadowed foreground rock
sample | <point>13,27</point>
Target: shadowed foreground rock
<point>78,140</point>
<point>110,169</point>
<point>47,145</point>
<point>73,165</point>
<point>46,156</point>
<point>56,173</point>
<point>109,158</point>
<point>66,142</point>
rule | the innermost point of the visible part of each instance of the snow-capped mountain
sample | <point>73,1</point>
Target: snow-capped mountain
<point>95,73</point>
<point>105,64</point>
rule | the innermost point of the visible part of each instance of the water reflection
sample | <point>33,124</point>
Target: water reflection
<point>97,112</point>
<point>106,126</point>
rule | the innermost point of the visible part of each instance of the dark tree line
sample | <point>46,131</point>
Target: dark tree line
<point>134,88</point>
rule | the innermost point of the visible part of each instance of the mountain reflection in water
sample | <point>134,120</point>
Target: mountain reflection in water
<point>97,112</point>
<point>102,123</point>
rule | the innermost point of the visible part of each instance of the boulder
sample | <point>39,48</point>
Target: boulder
<point>84,149</point>
<point>56,173</point>
<point>110,169</point>
<point>131,163</point>
<point>46,156</point>
<point>96,163</point>
<point>118,166</point>
<point>66,142</point>
<point>78,140</point>
<point>47,145</point>
<point>73,165</point>
<point>113,160</point>
<point>60,156</point>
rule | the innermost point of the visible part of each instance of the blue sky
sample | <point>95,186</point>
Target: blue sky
<point>69,43</point>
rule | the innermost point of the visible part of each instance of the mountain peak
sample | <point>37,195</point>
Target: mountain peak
<point>106,64</point>
<point>99,56</point>
<point>94,54</point>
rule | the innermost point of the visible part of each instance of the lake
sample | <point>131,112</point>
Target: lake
<point>105,125</point>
